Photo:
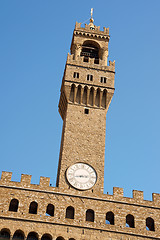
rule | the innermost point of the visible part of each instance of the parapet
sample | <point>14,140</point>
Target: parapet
<point>97,30</point>
<point>44,185</point>
<point>25,181</point>
<point>80,60</point>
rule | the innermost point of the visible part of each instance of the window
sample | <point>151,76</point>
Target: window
<point>13,207</point>
<point>32,236</point>
<point>18,235</point>
<point>4,234</point>
<point>50,210</point>
<point>70,212</point>
<point>59,238</point>
<point>46,237</point>
<point>90,215</point>
<point>76,75</point>
<point>90,77</point>
<point>33,208</point>
<point>130,221</point>
<point>110,218</point>
<point>150,224</point>
<point>86,111</point>
<point>103,80</point>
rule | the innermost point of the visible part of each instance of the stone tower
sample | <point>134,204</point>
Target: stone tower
<point>86,93</point>
<point>77,208</point>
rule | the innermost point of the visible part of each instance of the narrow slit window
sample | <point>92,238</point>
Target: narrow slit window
<point>90,77</point>
<point>103,80</point>
<point>76,75</point>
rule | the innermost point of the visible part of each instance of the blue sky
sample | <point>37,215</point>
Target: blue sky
<point>35,39</point>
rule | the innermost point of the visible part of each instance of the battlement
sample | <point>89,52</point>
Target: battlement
<point>44,185</point>
<point>97,30</point>
<point>79,60</point>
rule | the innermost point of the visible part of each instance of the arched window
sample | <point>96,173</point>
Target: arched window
<point>97,100</point>
<point>90,50</point>
<point>59,238</point>
<point>33,208</point>
<point>71,98</point>
<point>18,235</point>
<point>50,210</point>
<point>4,234</point>
<point>150,224</point>
<point>32,236</point>
<point>104,99</point>
<point>84,98</point>
<point>130,221</point>
<point>78,96</point>
<point>90,215</point>
<point>46,236</point>
<point>13,205</point>
<point>110,218</point>
<point>91,95</point>
<point>70,212</point>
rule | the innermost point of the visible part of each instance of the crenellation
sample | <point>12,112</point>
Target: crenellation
<point>138,195</point>
<point>44,181</point>
<point>78,26</point>
<point>156,198</point>
<point>6,177</point>
<point>118,192</point>
<point>25,180</point>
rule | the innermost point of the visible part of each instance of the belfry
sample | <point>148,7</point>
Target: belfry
<point>77,208</point>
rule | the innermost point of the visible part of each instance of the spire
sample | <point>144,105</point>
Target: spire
<point>91,20</point>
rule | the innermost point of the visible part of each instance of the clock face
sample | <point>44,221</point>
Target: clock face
<point>81,176</point>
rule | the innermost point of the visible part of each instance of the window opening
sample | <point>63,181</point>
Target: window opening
<point>90,77</point>
<point>76,75</point>
<point>103,80</point>
<point>70,212</point>
<point>130,221</point>
<point>18,235</point>
<point>13,207</point>
<point>86,111</point>
<point>33,208</point>
<point>90,215</point>
<point>32,236</point>
<point>150,224</point>
<point>46,237</point>
<point>50,210</point>
<point>4,234</point>
<point>110,218</point>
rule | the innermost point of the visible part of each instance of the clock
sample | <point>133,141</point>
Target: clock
<point>81,176</point>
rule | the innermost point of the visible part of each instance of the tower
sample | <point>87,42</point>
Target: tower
<point>86,92</point>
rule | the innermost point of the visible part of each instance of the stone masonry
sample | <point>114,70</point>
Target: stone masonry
<point>42,212</point>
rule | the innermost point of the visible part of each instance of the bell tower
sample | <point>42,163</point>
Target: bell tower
<point>86,92</point>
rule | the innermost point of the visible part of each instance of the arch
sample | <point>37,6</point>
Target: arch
<point>32,236</point>
<point>71,97</point>
<point>78,95</point>
<point>97,100</point>
<point>150,224</point>
<point>5,234</point>
<point>18,235</point>
<point>70,212</point>
<point>110,218</point>
<point>59,238</point>
<point>90,49</point>
<point>33,207</point>
<point>130,221</point>
<point>71,239</point>
<point>104,99</point>
<point>90,215</point>
<point>91,95</point>
<point>13,206</point>
<point>84,98</point>
<point>46,236</point>
<point>50,210</point>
